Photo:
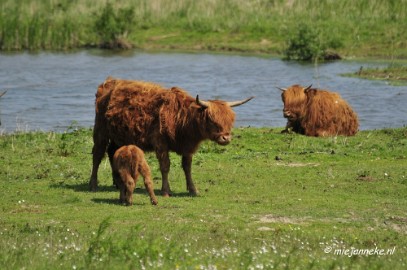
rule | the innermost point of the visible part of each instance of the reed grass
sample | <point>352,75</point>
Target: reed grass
<point>365,27</point>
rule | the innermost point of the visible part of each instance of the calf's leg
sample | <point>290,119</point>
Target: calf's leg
<point>129,189</point>
<point>117,178</point>
<point>126,187</point>
<point>144,170</point>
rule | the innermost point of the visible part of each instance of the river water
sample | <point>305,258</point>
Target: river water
<point>51,91</point>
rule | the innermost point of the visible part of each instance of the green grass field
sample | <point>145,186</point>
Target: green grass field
<point>267,201</point>
<point>372,28</point>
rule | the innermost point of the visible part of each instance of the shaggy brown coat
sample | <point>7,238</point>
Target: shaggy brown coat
<point>128,164</point>
<point>157,119</point>
<point>315,112</point>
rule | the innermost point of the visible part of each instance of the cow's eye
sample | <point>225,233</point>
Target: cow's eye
<point>215,128</point>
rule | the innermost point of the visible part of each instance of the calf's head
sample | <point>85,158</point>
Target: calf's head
<point>218,119</point>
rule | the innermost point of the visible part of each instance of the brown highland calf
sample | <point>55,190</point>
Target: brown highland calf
<point>157,119</point>
<point>315,112</point>
<point>128,164</point>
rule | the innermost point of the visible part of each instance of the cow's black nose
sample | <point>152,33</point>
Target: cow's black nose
<point>224,139</point>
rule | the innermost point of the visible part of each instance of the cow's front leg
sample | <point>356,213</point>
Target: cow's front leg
<point>98,152</point>
<point>164,160</point>
<point>186,165</point>
<point>288,127</point>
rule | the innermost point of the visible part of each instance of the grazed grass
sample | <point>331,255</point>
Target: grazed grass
<point>316,205</point>
<point>362,28</point>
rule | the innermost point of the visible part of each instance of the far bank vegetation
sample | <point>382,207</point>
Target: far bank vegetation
<point>300,30</point>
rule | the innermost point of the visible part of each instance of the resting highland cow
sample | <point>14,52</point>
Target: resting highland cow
<point>128,164</point>
<point>315,112</point>
<point>157,119</point>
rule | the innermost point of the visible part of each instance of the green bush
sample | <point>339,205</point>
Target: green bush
<point>113,27</point>
<point>309,44</point>
<point>304,45</point>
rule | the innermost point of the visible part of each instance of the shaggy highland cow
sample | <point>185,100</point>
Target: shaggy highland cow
<point>128,164</point>
<point>157,119</point>
<point>315,112</point>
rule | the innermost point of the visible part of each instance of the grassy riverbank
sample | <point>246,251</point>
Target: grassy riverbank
<point>362,28</point>
<point>395,74</point>
<point>268,201</point>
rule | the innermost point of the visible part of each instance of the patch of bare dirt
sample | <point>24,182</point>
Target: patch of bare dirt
<point>279,219</point>
<point>297,164</point>
<point>365,178</point>
<point>398,224</point>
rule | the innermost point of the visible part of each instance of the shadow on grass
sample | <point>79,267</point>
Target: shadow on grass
<point>84,187</point>
<point>137,201</point>
<point>114,201</point>
<point>158,192</point>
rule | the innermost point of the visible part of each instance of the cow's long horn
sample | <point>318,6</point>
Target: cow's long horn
<point>238,103</point>
<point>281,89</point>
<point>3,93</point>
<point>308,88</point>
<point>201,103</point>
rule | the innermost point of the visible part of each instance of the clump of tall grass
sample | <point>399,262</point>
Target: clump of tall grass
<point>114,26</point>
<point>39,27</point>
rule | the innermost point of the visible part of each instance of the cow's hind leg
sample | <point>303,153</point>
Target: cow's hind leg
<point>146,173</point>
<point>111,149</point>
<point>186,165</point>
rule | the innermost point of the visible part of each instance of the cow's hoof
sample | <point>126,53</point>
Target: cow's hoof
<point>193,193</point>
<point>93,185</point>
<point>166,194</point>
